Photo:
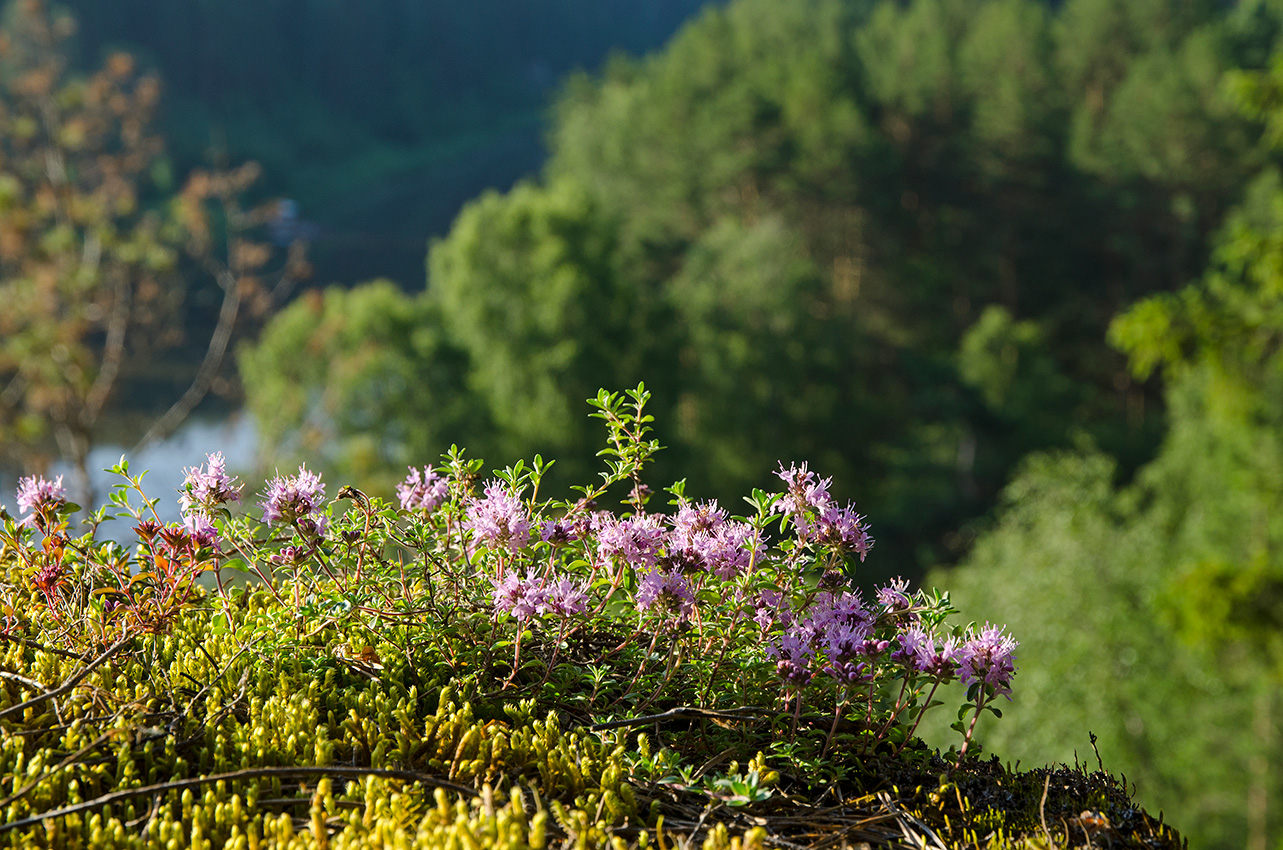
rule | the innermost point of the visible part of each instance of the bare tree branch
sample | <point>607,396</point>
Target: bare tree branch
<point>70,683</point>
<point>209,367</point>
<point>113,354</point>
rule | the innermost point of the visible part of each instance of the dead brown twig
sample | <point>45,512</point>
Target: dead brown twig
<point>70,684</point>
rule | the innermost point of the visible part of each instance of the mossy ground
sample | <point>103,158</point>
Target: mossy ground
<point>199,738</point>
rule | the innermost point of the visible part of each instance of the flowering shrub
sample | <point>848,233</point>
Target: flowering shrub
<point>602,613</point>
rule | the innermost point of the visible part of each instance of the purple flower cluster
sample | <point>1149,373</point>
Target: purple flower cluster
<point>565,530</point>
<point>424,491</point>
<point>804,496</point>
<point>201,528</point>
<point>989,658</point>
<point>806,502</point>
<point>666,590</point>
<point>296,499</point>
<point>638,540</point>
<point>536,596</point>
<point>205,489</point>
<point>894,596</point>
<point>208,486</point>
<point>38,498</point>
<point>699,538</point>
<point>703,539</point>
<point>838,636</point>
<point>499,519</point>
<point>920,652</point>
<point>835,637</point>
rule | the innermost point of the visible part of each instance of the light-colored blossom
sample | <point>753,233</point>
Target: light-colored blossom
<point>694,523</point>
<point>201,528</point>
<point>667,591</point>
<point>424,490</point>
<point>499,519</point>
<point>564,530</point>
<point>567,597</point>
<point>37,496</point>
<point>805,495</point>
<point>894,596</point>
<point>293,498</point>
<point>844,529</point>
<point>207,486</point>
<point>637,540</point>
<point>522,597</point>
<point>988,657</point>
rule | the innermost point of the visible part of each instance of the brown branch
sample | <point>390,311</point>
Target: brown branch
<point>30,683</point>
<point>213,361</point>
<point>71,683</point>
<point>113,354</point>
<point>13,390</point>
<point>740,714</point>
<point>247,773</point>
<point>22,641</point>
<point>19,794</point>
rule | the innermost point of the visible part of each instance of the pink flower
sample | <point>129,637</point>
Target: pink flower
<point>499,520</point>
<point>638,540</point>
<point>423,491</point>
<point>296,498</point>
<point>567,597</point>
<point>695,523</point>
<point>988,657</point>
<point>805,494</point>
<point>894,596</point>
<point>919,652</point>
<point>201,529</point>
<point>38,497</point>
<point>523,598</point>
<point>564,530</point>
<point>704,539</point>
<point>816,517</point>
<point>207,486</point>
<point>668,591</point>
<point>844,529</point>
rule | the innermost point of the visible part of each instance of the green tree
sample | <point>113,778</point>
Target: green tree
<point>538,266</point>
<point>1155,609</point>
<point>362,381</point>
<point>791,224</point>
<point>908,167</point>
<point>1082,573</point>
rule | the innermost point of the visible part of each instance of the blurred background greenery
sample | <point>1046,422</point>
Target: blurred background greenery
<point>1010,270</point>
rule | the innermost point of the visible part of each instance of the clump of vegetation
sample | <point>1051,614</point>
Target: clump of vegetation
<point>488,666</point>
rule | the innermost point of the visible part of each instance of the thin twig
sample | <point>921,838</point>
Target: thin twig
<point>24,642</point>
<point>70,683</point>
<point>30,683</point>
<point>208,370</point>
<point>74,757</point>
<point>745,713</point>
<point>890,804</point>
<point>1042,810</point>
<point>248,773</point>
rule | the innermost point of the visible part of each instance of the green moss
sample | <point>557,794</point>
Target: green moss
<point>479,766</point>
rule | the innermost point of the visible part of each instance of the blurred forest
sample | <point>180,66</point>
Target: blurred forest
<point>1010,270</point>
<point>378,117</point>
<point>884,237</point>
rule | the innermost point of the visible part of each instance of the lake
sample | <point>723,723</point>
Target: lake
<point>234,435</point>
